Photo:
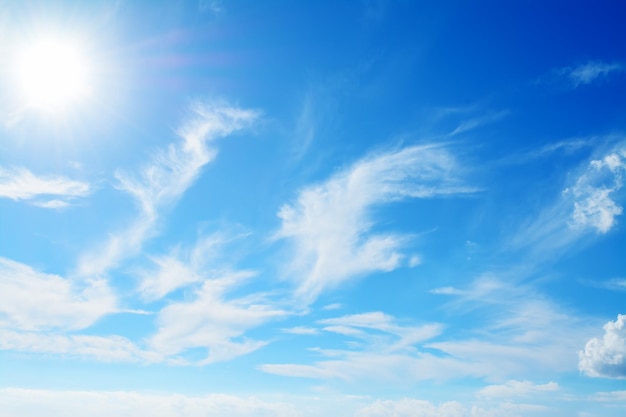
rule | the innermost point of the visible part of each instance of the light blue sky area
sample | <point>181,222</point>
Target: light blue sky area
<point>307,208</point>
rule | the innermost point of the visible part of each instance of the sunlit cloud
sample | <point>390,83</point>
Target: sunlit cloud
<point>606,357</point>
<point>33,300</point>
<point>212,322</point>
<point>20,184</point>
<point>161,182</point>
<point>330,223</point>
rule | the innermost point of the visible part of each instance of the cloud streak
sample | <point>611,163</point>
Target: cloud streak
<point>20,184</point>
<point>587,73</point>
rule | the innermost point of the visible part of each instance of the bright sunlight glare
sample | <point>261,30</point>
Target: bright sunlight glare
<point>52,74</point>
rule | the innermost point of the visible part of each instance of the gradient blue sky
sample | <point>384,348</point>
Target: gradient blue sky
<point>306,208</point>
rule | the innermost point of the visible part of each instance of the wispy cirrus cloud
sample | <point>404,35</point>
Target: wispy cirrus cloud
<point>212,322</point>
<point>381,348</point>
<point>182,266</point>
<point>515,388</point>
<point>51,191</point>
<point>606,357</point>
<point>521,333</point>
<point>33,300</point>
<point>162,181</point>
<point>476,122</point>
<point>101,348</point>
<point>591,71</point>
<point>330,223</point>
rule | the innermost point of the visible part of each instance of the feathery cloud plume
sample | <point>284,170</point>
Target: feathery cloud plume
<point>21,184</point>
<point>330,223</point>
<point>165,178</point>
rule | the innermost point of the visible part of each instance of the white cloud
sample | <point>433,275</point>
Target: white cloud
<point>103,348</point>
<point>18,402</point>
<point>181,267</point>
<point>606,357</point>
<point>163,181</point>
<point>515,388</point>
<point>330,223</point>
<point>211,323</point>
<point>386,351</point>
<point>301,330</point>
<point>445,291</point>
<point>411,407</point>
<point>407,336</point>
<point>593,203</point>
<point>591,71</point>
<point>610,396</point>
<point>31,300</point>
<point>21,184</point>
<point>520,334</point>
<point>477,122</point>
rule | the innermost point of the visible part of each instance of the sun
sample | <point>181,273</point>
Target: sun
<point>52,74</point>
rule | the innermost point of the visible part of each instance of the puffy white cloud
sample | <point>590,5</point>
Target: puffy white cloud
<point>592,193</point>
<point>21,184</point>
<point>31,300</point>
<point>165,178</point>
<point>330,223</point>
<point>591,202</point>
<point>606,357</point>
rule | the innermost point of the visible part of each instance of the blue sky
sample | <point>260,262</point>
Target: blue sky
<point>290,208</point>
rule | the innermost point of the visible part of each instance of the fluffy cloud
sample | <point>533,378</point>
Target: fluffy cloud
<point>165,178</point>
<point>21,184</point>
<point>606,357</point>
<point>593,203</point>
<point>31,300</point>
<point>330,223</point>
